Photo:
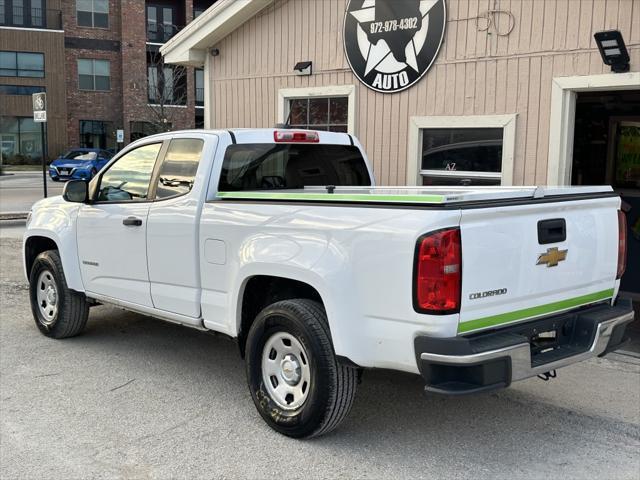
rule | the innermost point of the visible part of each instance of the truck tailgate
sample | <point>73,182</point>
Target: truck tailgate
<point>516,265</point>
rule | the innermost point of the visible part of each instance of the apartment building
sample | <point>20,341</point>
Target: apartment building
<point>99,64</point>
<point>32,57</point>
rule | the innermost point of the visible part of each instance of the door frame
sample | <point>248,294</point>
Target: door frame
<point>562,120</point>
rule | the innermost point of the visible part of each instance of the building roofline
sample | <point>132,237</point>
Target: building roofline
<point>189,46</point>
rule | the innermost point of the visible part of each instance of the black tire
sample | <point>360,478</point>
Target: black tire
<point>72,308</point>
<point>332,385</point>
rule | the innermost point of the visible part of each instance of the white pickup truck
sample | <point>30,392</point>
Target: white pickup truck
<point>279,239</point>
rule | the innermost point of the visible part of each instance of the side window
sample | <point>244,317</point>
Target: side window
<point>128,179</point>
<point>178,170</point>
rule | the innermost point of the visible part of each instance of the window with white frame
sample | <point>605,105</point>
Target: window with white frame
<point>461,156</point>
<point>318,108</point>
<point>319,113</point>
<point>473,150</point>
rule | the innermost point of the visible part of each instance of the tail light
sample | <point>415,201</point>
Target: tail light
<point>292,136</point>
<point>438,272</point>
<point>622,243</point>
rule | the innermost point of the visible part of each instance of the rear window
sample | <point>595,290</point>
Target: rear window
<point>265,166</point>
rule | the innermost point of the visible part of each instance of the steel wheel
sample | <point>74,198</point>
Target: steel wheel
<point>285,370</point>
<point>47,296</point>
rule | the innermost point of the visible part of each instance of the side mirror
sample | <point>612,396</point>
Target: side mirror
<point>75,191</point>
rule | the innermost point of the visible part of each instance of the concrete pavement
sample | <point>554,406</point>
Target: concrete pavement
<point>138,398</point>
<point>20,190</point>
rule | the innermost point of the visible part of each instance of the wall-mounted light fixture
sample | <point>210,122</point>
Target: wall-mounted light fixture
<point>613,50</point>
<point>214,52</point>
<point>303,68</point>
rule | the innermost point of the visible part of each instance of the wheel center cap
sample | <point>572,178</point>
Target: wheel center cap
<point>290,369</point>
<point>51,296</point>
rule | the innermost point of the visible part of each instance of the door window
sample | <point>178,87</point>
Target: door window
<point>128,179</point>
<point>178,170</point>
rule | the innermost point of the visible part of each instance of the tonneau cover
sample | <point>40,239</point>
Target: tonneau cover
<point>414,195</point>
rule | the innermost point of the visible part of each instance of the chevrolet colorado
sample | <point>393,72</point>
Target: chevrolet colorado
<point>279,239</point>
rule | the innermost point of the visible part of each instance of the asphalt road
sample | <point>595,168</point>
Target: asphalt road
<point>138,398</point>
<point>20,190</point>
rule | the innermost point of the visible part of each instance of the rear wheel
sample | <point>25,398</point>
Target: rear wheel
<point>297,384</point>
<point>58,311</point>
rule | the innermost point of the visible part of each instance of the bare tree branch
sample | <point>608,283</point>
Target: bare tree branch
<point>166,87</point>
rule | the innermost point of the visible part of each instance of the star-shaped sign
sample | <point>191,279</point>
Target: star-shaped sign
<point>402,43</point>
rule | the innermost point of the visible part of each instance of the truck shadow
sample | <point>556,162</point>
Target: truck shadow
<point>392,423</point>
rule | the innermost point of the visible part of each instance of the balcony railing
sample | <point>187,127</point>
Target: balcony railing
<point>199,96</point>
<point>31,18</point>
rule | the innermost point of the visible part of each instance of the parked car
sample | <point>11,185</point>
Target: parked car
<point>79,164</point>
<point>278,239</point>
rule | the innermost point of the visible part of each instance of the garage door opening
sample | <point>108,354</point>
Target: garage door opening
<point>606,151</point>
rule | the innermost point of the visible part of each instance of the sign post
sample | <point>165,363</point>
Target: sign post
<point>119,138</point>
<point>40,116</point>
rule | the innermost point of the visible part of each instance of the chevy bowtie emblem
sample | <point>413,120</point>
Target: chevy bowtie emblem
<point>552,257</point>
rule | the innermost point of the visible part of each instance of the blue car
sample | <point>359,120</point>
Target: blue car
<point>79,164</point>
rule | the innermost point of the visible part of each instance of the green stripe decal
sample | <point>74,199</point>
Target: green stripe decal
<point>526,313</point>
<point>333,197</point>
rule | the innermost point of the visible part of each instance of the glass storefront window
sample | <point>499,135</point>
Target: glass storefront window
<point>96,134</point>
<point>20,141</point>
<point>143,129</point>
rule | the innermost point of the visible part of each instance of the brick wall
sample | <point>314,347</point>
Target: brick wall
<point>92,105</point>
<point>126,102</point>
<point>134,67</point>
<point>72,29</point>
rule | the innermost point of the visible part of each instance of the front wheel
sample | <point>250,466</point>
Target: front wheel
<point>58,311</point>
<point>297,384</point>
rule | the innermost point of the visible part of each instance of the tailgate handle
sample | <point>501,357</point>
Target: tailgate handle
<point>553,230</point>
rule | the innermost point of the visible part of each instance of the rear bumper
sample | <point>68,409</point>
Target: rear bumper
<point>495,359</point>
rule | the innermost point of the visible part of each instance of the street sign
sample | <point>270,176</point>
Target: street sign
<point>120,136</point>
<point>39,107</point>
<point>40,116</point>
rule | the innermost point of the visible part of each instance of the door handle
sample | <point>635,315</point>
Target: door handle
<point>132,222</point>
<point>552,231</point>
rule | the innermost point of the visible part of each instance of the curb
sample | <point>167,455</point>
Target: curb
<point>13,216</point>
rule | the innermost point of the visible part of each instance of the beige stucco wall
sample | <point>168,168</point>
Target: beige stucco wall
<point>476,73</point>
